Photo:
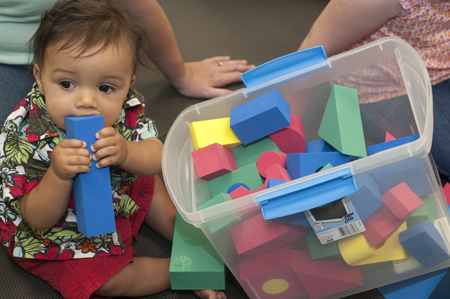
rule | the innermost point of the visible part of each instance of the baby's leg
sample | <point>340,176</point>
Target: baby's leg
<point>144,276</point>
<point>161,214</point>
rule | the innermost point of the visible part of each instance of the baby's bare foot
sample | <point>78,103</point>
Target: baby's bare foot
<point>210,294</point>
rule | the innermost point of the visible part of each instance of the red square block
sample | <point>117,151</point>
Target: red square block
<point>379,226</point>
<point>277,172</point>
<point>255,232</point>
<point>212,161</point>
<point>401,201</point>
<point>291,139</point>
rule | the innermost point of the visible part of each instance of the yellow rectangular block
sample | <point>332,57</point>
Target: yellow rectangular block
<point>356,251</point>
<point>206,132</point>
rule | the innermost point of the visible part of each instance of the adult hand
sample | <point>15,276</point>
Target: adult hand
<point>69,158</point>
<point>205,78</point>
<point>110,148</point>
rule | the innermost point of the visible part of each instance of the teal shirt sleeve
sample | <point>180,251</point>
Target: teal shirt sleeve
<point>19,20</point>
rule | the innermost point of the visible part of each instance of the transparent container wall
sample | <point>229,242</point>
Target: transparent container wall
<point>284,259</point>
<point>377,72</point>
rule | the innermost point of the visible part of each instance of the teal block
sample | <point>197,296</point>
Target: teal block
<point>247,175</point>
<point>194,264</point>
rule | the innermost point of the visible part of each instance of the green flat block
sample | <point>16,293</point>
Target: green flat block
<point>427,210</point>
<point>248,154</point>
<point>221,223</point>
<point>341,124</point>
<point>247,175</point>
<point>319,251</point>
<point>194,264</point>
<point>413,220</point>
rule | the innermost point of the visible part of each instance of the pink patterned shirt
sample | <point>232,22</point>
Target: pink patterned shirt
<point>425,25</point>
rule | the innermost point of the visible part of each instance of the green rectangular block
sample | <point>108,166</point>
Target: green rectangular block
<point>249,153</point>
<point>319,251</point>
<point>213,226</point>
<point>194,264</point>
<point>247,175</point>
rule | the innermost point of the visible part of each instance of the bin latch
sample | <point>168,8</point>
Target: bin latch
<point>307,60</point>
<point>307,195</point>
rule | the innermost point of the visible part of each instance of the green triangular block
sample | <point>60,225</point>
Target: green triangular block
<point>341,124</point>
<point>194,264</point>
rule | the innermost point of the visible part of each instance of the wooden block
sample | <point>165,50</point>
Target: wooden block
<point>255,232</point>
<point>319,145</point>
<point>267,159</point>
<point>424,242</point>
<point>302,164</point>
<point>356,250</point>
<point>319,251</point>
<point>341,124</point>
<point>249,153</point>
<point>247,175</point>
<point>380,226</point>
<point>92,190</point>
<point>206,132</point>
<point>323,278</point>
<point>212,161</point>
<point>268,275</point>
<point>260,117</point>
<point>401,201</point>
<point>238,192</point>
<point>194,265</point>
<point>291,139</point>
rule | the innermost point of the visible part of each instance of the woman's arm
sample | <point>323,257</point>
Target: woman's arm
<point>344,22</point>
<point>198,79</point>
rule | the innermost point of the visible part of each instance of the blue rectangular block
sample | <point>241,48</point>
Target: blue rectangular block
<point>92,190</point>
<point>260,117</point>
<point>375,148</point>
<point>302,164</point>
<point>424,242</point>
<point>319,145</point>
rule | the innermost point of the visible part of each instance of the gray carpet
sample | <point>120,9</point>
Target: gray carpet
<point>257,30</point>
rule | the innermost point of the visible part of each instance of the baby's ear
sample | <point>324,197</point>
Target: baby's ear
<point>37,76</point>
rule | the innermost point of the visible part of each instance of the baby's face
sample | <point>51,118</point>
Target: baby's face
<point>95,83</point>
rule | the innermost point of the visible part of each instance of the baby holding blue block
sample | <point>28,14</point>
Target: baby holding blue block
<point>85,55</point>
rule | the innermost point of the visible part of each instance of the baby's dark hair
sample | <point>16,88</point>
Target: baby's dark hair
<point>83,25</point>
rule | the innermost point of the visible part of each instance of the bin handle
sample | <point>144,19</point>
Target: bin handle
<point>303,196</point>
<point>308,59</point>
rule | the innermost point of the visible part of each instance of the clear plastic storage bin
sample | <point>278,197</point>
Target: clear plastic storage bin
<point>282,257</point>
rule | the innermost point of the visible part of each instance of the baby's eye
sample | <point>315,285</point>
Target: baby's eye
<point>105,88</point>
<point>66,84</point>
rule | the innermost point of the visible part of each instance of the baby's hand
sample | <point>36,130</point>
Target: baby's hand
<point>110,148</point>
<point>69,158</point>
